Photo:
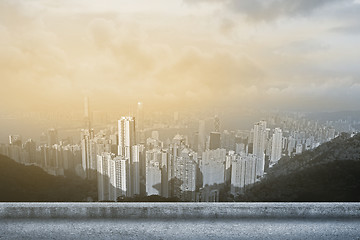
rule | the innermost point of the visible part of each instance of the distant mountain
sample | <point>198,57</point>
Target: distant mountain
<point>331,172</point>
<point>22,183</point>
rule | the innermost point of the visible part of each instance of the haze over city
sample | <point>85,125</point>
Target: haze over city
<point>287,55</point>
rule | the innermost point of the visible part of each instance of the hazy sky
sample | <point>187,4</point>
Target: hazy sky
<point>282,54</point>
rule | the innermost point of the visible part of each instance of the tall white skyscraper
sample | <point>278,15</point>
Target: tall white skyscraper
<point>259,146</point>
<point>88,154</point>
<point>112,177</point>
<point>126,136</point>
<point>128,149</point>
<point>276,146</point>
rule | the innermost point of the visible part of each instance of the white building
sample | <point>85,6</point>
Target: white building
<point>213,166</point>
<point>243,172</point>
<point>259,146</point>
<point>185,169</point>
<point>126,136</point>
<point>112,177</point>
<point>118,178</point>
<point>153,178</point>
<point>276,148</point>
<point>88,153</point>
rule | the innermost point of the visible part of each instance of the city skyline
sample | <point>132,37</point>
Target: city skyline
<point>194,164</point>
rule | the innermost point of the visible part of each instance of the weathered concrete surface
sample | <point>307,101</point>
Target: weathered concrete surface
<point>199,229</point>
<point>128,211</point>
<point>179,221</point>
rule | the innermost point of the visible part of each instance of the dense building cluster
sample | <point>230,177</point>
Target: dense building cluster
<point>131,159</point>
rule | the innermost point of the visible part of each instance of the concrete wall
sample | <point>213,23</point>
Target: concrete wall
<point>128,211</point>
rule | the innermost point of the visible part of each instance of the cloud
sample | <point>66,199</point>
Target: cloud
<point>352,28</point>
<point>227,26</point>
<point>49,57</point>
<point>258,10</point>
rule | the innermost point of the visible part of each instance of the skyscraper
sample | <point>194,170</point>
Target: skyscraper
<point>214,140</point>
<point>118,178</point>
<point>185,175</point>
<point>276,146</point>
<point>88,154</point>
<point>259,146</point>
<point>228,140</point>
<point>153,178</point>
<point>213,166</point>
<point>112,177</point>
<point>126,136</point>
<point>135,170</point>
<point>128,150</point>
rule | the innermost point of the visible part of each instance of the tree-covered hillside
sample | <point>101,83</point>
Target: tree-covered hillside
<point>331,172</point>
<point>22,183</point>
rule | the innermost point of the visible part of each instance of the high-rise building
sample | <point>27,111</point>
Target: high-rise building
<point>166,165</point>
<point>135,169</point>
<point>88,156</point>
<point>228,140</point>
<point>214,140</point>
<point>112,177</point>
<point>213,166</point>
<point>291,145</point>
<point>158,172</point>
<point>153,178</point>
<point>103,176</point>
<point>128,149</point>
<point>259,145</point>
<point>276,148</point>
<point>185,175</point>
<point>243,172</point>
<point>126,136</point>
<point>118,178</point>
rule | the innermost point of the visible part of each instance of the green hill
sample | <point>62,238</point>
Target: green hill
<point>22,183</point>
<point>331,172</point>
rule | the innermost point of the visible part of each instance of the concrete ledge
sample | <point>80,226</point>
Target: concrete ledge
<point>128,211</point>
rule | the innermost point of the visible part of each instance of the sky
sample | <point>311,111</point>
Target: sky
<point>300,55</point>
